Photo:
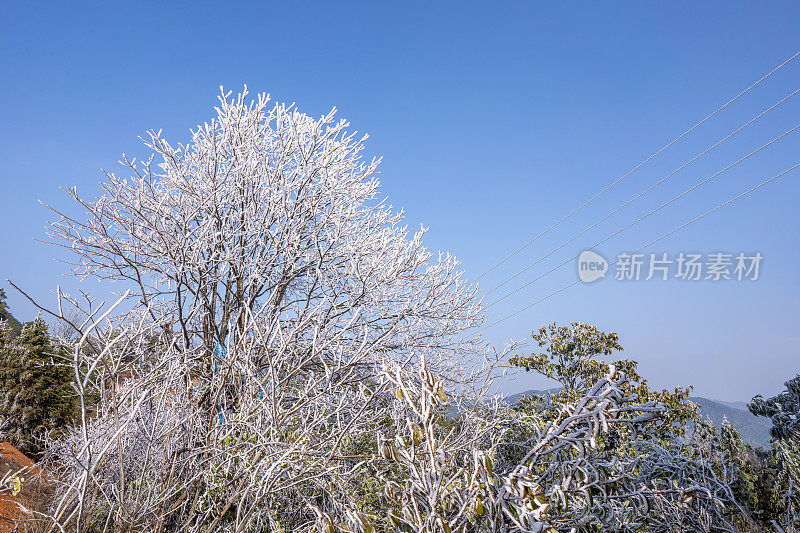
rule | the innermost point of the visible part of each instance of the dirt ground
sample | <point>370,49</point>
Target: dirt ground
<point>33,489</point>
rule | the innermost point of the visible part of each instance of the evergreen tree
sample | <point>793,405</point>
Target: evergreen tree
<point>6,316</point>
<point>36,394</point>
<point>572,357</point>
<point>783,410</point>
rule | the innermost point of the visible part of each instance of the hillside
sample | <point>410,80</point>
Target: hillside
<point>37,489</point>
<point>753,429</point>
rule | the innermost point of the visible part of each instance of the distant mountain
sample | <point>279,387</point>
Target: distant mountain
<point>514,398</point>
<point>735,405</point>
<point>753,429</point>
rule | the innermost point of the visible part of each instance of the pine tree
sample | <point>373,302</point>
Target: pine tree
<point>783,410</point>
<point>36,394</point>
<point>5,315</point>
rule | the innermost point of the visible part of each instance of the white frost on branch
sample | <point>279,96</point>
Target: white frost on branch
<point>294,359</point>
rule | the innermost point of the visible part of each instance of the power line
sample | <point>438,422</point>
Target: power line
<point>676,139</point>
<point>659,208</point>
<point>720,206</point>
<point>606,217</point>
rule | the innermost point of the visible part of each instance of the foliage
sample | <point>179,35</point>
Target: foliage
<point>288,357</point>
<point>269,285</point>
<point>440,481</point>
<point>431,472</point>
<point>36,393</point>
<point>783,410</point>
<point>6,316</point>
<point>570,354</point>
<point>754,430</point>
<point>570,357</point>
<point>680,487</point>
<point>788,477</point>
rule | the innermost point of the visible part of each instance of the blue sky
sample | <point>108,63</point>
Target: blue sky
<point>494,120</point>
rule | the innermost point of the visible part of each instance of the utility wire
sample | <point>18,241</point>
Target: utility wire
<point>659,182</point>
<point>720,206</point>
<point>657,209</point>
<point>676,139</point>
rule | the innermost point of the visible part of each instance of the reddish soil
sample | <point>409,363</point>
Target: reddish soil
<point>33,491</point>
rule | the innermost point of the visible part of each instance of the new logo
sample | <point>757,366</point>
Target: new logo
<point>591,266</point>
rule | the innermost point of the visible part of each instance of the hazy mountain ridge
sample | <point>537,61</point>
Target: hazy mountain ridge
<point>514,398</point>
<point>737,405</point>
<point>753,429</point>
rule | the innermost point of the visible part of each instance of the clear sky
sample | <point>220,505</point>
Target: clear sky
<point>495,119</point>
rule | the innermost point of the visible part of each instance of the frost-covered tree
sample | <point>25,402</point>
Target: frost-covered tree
<point>268,285</point>
<point>629,476</point>
<point>271,214</point>
<point>292,358</point>
<point>569,479</point>
<point>783,410</point>
<point>573,356</point>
